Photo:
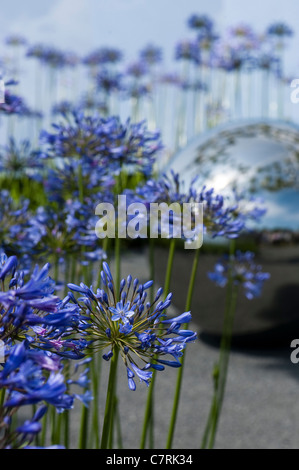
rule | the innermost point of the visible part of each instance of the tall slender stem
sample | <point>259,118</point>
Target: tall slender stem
<point>152,266</point>
<point>109,400</point>
<point>117,263</point>
<point>180,371</point>
<point>221,371</point>
<point>148,416</point>
<point>95,370</point>
<point>80,183</point>
<point>83,435</point>
<point>221,368</point>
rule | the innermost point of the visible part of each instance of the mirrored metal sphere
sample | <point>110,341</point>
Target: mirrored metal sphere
<point>262,158</point>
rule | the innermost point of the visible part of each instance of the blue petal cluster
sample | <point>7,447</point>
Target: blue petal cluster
<point>244,272</point>
<point>120,318</point>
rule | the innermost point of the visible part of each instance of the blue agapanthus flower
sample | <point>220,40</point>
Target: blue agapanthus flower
<point>26,380</point>
<point>188,50</point>
<point>220,215</point>
<point>103,56</point>
<point>30,310</point>
<point>244,272</point>
<point>104,142</point>
<point>280,29</point>
<point>201,23</point>
<point>151,54</point>
<point>38,331</point>
<point>52,56</point>
<point>13,104</point>
<point>109,82</point>
<point>120,318</point>
<point>66,231</point>
<point>19,159</point>
<point>15,230</point>
<point>15,40</point>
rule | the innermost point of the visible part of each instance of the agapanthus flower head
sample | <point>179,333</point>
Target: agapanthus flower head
<point>206,41</point>
<point>280,29</point>
<point>232,52</point>
<point>30,309</point>
<point>201,23</point>
<point>19,159</point>
<point>243,271</point>
<point>138,90</point>
<point>30,377</point>
<point>38,330</point>
<point>26,381</point>
<point>15,40</point>
<point>122,319</point>
<point>188,50</point>
<point>36,51</point>
<point>268,61</point>
<point>220,217</point>
<point>13,104</point>
<point>105,142</point>
<point>151,54</point>
<point>103,56</point>
<point>137,69</point>
<point>62,183</point>
<point>108,81</point>
<point>242,31</point>
<point>66,231</point>
<point>49,55</point>
<point>15,234</point>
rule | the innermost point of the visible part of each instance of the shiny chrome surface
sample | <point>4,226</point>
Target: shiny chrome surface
<point>263,158</point>
<point>259,156</point>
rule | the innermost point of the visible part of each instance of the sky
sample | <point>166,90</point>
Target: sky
<point>83,25</point>
<point>129,25</point>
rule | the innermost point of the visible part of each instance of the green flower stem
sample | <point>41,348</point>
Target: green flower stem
<point>169,266</point>
<point>66,274</point>
<point>107,424</point>
<point>180,371</point>
<point>148,416</point>
<point>115,420</point>
<point>85,412</point>
<point>66,428</point>
<point>152,266</point>
<point>83,435</point>
<point>53,423</point>
<point>73,274</point>
<point>58,428</point>
<point>56,268</point>
<point>118,427</point>
<point>117,249</point>
<point>221,368</point>
<point>220,376</point>
<point>81,199</point>
<point>95,370</point>
<point>84,424</point>
<point>105,249</point>
<point>44,429</point>
<point>80,183</point>
<point>2,396</point>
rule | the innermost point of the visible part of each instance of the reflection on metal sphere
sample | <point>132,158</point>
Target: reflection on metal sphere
<point>261,157</point>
